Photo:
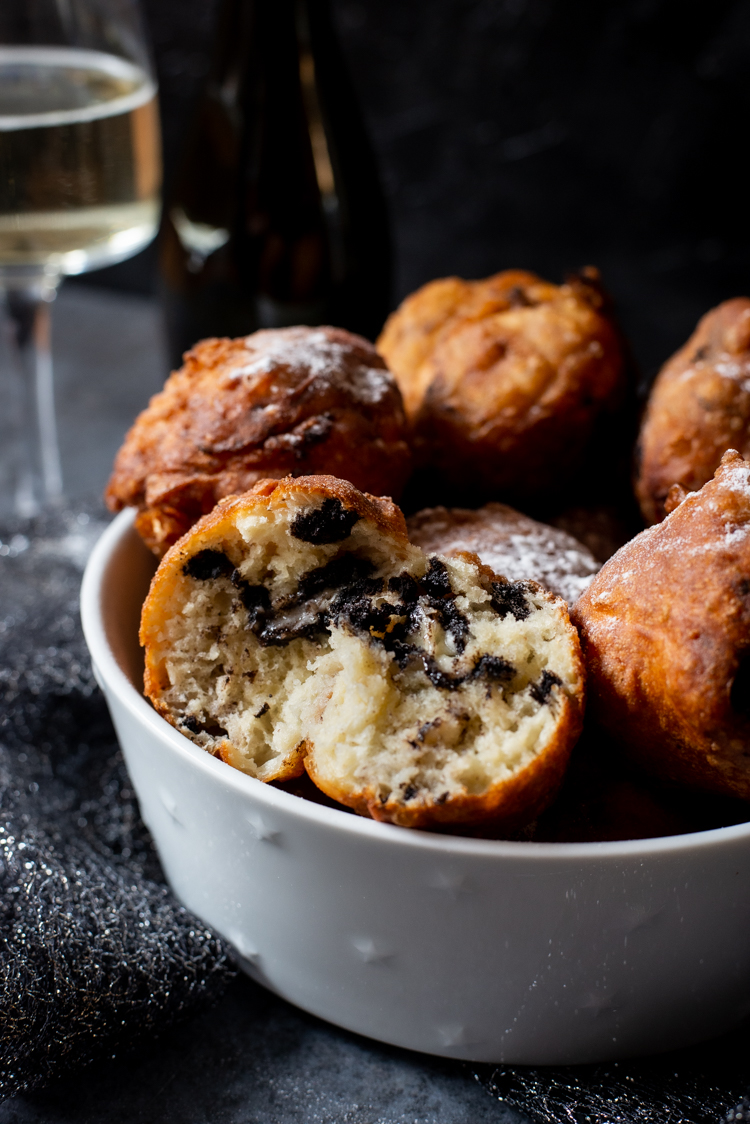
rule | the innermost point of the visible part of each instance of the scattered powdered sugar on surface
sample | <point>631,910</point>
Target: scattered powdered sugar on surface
<point>312,355</point>
<point>731,369</point>
<point>736,477</point>
<point>734,534</point>
<point>664,542</point>
<point>75,543</point>
<point>511,544</point>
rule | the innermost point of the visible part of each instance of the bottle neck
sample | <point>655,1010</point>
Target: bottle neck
<point>264,33</point>
<point>265,66</point>
<point>277,211</point>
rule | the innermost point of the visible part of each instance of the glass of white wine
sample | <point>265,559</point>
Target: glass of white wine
<point>80,179</point>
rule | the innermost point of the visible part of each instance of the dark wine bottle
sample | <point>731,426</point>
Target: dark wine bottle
<point>277,216</point>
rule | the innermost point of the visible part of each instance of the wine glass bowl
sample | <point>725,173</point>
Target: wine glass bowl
<point>80,179</point>
<point>79,158</point>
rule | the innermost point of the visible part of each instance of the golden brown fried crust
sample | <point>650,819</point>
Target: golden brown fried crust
<point>698,408</point>
<point>410,333</point>
<point>221,521</point>
<point>665,630</point>
<point>510,374</point>
<point>503,809</point>
<point>289,401</point>
<point>605,797</point>
<point>271,493</point>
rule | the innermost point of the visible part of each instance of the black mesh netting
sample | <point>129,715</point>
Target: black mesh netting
<point>94,950</point>
<point>704,1085</point>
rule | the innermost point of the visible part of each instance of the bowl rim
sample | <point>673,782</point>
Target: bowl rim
<point>108,669</point>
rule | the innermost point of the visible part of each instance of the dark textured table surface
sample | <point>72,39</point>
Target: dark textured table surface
<point>256,1060</point>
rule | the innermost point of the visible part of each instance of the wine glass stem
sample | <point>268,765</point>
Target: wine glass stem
<point>38,476</point>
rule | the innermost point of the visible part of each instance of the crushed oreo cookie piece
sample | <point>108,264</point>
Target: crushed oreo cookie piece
<point>406,586</point>
<point>406,653</point>
<point>329,523</point>
<point>436,583</point>
<point>207,565</point>
<point>439,678</point>
<point>307,613</point>
<point>437,588</point>
<point>510,597</point>
<point>363,616</point>
<point>540,691</point>
<point>455,623</point>
<point>358,589</point>
<point>343,591</point>
<point>191,723</point>
<point>255,598</point>
<point>339,573</point>
<point>493,667</point>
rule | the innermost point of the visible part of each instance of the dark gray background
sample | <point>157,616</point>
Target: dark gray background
<point>537,133</point>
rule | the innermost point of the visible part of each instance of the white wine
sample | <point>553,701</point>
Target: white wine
<point>80,164</point>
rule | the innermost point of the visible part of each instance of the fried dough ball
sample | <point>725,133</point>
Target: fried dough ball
<point>505,379</point>
<point>604,796</point>
<point>278,402</point>
<point>601,529</point>
<point>509,543</point>
<point>295,627</point>
<point>698,408</point>
<point>665,629</point>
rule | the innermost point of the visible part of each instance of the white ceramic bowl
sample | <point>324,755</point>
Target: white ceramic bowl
<point>492,951</point>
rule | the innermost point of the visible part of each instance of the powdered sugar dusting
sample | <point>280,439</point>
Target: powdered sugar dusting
<point>511,544</point>
<point>312,355</point>
<point>731,369</point>
<point>675,541</point>
<point>736,477</point>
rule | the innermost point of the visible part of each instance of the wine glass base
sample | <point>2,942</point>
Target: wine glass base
<point>29,447</point>
<point>43,280</point>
